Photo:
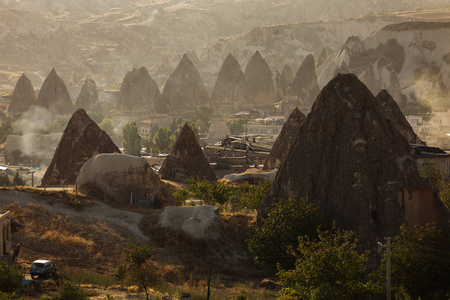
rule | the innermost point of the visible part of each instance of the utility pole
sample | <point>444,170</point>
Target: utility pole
<point>388,269</point>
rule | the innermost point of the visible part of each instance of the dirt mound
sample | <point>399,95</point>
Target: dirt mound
<point>81,140</point>
<point>23,96</point>
<point>284,141</point>
<point>54,95</point>
<point>348,157</point>
<point>186,160</point>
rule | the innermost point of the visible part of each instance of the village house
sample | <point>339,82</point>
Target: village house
<point>267,126</point>
<point>425,155</point>
<point>158,121</point>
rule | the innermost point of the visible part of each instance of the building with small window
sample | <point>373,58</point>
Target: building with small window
<point>5,234</point>
<point>426,155</point>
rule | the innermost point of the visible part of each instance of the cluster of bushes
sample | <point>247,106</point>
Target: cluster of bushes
<point>235,197</point>
<point>313,259</point>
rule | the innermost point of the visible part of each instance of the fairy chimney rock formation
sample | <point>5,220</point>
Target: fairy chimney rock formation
<point>283,81</point>
<point>23,96</point>
<point>304,87</point>
<point>393,113</point>
<point>81,140</point>
<point>88,97</point>
<point>349,158</point>
<point>185,90</point>
<point>284,141</point>
<point>140,92</point>
<point>54,95</point>
<point>260,82</point>
<point>231,86</point>
<point>186,160</point>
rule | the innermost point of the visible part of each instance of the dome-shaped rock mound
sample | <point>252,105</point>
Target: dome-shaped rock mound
<point>23,96</point>
<point>54,95</point>
<point>349,158</point>
<point>186,160</point>
<point>285,139</point>
<point>393,113</point>
<point>125,179</point>
<point>140,92</point>
<point>283,81</point>
<point>259,78</point>
<point>81,140</point>
<point>88,97</point>
<point>231,86</point>
<point>185,90</point>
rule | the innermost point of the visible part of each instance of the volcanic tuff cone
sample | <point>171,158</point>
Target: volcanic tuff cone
<point>304,87</point>
<point>186,159</point>
<point>54,96</point>
<point>393,113</point>
<point>81,140</point>
<point>231,86</point>
<point>283,82</point>
<point>88,97</point>
<point>259,79</point>
<point>23,96</point>
<point>285,139</point>
<point>350,158</point>
<point>140,92</point>
<point>184,90</point>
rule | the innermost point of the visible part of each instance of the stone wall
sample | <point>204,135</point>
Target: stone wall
<point>5,233</point>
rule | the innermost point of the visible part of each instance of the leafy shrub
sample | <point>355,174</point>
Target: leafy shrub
<point>10,278</point>
<point>71,291</point>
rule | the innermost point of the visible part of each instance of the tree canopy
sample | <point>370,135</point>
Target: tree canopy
<point>131,139</point>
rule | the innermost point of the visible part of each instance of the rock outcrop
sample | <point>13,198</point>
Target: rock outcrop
<point>81,140</point>
<point>23,96</point>
<point>231,87</point>
<point>350,159</point>
<point>283,81</point>
<point>124,178</point>
<point>304,88</point>
<point>185,90</point>
<point>88,97</point>
<point>201,222</point>
<point>285,139</point>
<point>186,160</point>
<point>394,114</point>
<point>260,82</point>
<point>140,92</point>
<point>218,130</point>
<point>54,95</point>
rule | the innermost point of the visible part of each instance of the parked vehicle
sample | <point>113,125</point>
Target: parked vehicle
<point>42,268</point>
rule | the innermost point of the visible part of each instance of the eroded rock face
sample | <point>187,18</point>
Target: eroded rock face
<point>231,86</point>
<point>260,82</point>
<point>81,140</point>
<point>200,222</point>
<point>394,114</point>
<point>304,88</point>
<point>185,90</point>
<point>125,179</point>
<point>284,141</point>
<point>54,95</point>
<point>349,158</point>
<point>283,81</point>
<point>140,92</point>
<point>23,96</point>
<point>186,160</point>
<point>88,97</point>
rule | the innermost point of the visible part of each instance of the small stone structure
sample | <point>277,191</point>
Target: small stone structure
<point>5,233</point>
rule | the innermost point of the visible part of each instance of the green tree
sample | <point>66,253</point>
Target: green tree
<point>131,139</point>
<point>287,220</point>
<point>107,126</point>
<point>236,127</point>
<point>251,196</point>
<point>437,179</point>
<point>164,140</point>
<point>5,130</point>
<point>420,263</point>
<point>203,113</point>
<point>10,278</point>
<point>329,267</point>
<point>211,193</point>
